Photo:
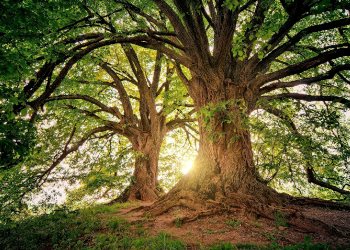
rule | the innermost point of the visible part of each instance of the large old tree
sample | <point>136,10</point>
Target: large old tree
<point>242,56</point>
<point>234,57</point>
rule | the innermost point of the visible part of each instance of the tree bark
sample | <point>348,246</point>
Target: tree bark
<point>224,170</point>
<point>144,182</point>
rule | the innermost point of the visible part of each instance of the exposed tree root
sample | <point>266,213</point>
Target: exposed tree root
<point>250,207</point>
<point>184,199</point>
<point>315,225</point>
<point>301,201</point>
<point>136,193</point>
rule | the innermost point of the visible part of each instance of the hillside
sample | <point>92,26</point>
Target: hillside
<point>125,226</point>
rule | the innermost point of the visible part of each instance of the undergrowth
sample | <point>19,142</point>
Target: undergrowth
<point>99,228</point>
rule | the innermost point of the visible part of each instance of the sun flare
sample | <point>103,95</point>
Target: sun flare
<point>186,166</point>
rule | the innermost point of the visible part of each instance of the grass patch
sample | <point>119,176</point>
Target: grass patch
<point>59,230</point>
<point>305,245</point>
<point>118,225</point>
<point>92,228</point>
<point>161,241</point>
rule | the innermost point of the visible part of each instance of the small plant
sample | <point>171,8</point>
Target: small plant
<point>105,241</point>
<point>147,216</point>
<point>308,245</point>
<point>140,230</point>
<point>251,247</point>
<point>270,236</point>
<point>233,223</point>
<point>280,220</point>
<point>178,222</point>
<point>161,241</point>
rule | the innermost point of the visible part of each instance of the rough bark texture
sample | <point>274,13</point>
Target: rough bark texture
<point>227,75</point>
<point>144,184</point>
<point>223,172</point>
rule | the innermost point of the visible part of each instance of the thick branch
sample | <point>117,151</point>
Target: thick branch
<point>304,65</point>
<point>173,124</point>
<point>329,75</point>
<point>146,98</point>
<point>312,179</point>
<point>124,98</point>
<point>111,110</point>
<point>310,98</point>
<point>131,7</point>
<point>74,59</point>
<point>179,28</point>
<point>295,39</point>
<point>156,73</point>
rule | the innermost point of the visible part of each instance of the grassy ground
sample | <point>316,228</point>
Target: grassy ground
<point>100,228</point>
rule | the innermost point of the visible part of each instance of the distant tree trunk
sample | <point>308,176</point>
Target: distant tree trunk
<point>144,182</point>
<point>143,185</point>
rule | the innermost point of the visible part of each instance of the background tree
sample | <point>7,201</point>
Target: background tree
<point>142,111</point>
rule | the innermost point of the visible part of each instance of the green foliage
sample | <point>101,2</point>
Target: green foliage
<point>92,228</point>
<point>223,246</point>
<point>161,241</point>
<point>118,225</point>
<point>229,112</point>
<point>60,230</point>
<point>322,143</point>
<point>17,134</point>
<point>308,245</point>
<point>231,4</point>
<point>28,31</point>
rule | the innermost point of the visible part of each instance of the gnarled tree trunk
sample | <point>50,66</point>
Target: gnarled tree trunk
<point>223,171</point>
<point>144,184</point>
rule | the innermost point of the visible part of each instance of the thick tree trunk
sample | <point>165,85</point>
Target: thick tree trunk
<point>223,171</point>
<point>225,167</point>
<point>144,182</point>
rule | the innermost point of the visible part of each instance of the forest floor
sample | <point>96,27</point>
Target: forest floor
<point>238,229</point>
<point>130,226</point>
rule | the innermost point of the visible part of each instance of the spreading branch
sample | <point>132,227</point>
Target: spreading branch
<point>303,66</point>
<point>111,110</point>
<point>300,35</point>
<point>123,95</point>
<point>310,98</point>
<point>306,81</point>
<point>310,172</point>
<point>68,150</point>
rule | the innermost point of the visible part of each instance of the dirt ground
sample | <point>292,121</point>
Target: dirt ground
<point>241,229</point>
